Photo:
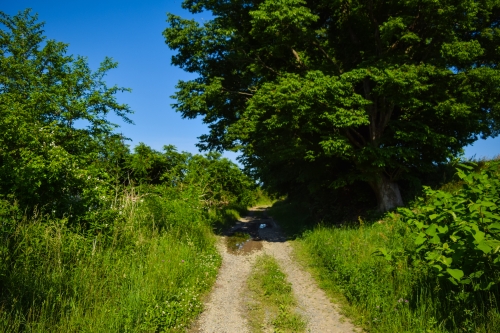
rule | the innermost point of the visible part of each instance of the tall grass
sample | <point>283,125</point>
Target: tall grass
<point>145,273</point>
<point>382,295</point>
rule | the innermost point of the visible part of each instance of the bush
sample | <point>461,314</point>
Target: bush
<point>458,233</point>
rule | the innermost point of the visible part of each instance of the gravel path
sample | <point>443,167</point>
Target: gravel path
<point>225,308</point>
<point>224,311</point>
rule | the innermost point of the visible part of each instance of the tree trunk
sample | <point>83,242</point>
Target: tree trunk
<point>388,194</point>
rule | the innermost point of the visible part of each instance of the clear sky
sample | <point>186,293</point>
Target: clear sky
<point>130,32</point>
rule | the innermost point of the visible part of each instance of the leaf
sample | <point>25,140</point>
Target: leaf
<point>432,230</point>
<point>465,281</point>
<point>382,252</point>
<point>477,274</point>
<point>486,285</point>
<point>443,230</point>
<point>420,239</point>
<point>432,256</point>
<point>433,216</point>
<point>479,236</point>
<point>495,225</point>
<point>420,225</point>
<point>455,273</point>
<point>447,261</point>
<point>484,247</point>
<point>438,268</point>
<point>452,213</point>
<point>435,240</point>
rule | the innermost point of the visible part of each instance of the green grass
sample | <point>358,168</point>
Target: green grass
<point>272,303</point>
<point>263,199</point>
<point>379,295</point>
<point>147,274</point>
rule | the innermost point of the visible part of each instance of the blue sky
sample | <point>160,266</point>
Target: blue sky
<point>131,33</point>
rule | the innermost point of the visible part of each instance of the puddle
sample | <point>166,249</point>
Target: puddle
<point>242,243</point>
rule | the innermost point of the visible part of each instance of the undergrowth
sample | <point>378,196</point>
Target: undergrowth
<point>147,274</point>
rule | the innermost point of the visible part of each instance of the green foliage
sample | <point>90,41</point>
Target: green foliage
<point>458,233</point>
<point>431,267</point>
<point>141,278</point>
<point>320,94</point>
<point>53,127</point>
<point>388,293</point>
<point>274,301</point>
<point>211,180</point>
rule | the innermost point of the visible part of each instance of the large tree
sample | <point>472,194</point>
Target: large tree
<point>337,91</point>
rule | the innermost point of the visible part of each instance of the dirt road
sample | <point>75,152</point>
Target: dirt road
<point>225,307</point>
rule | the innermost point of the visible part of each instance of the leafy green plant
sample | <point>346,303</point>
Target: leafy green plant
<point>458,234</point>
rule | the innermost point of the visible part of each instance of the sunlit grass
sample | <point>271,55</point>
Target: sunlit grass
<point>148,275</point>
<point>272,304</point>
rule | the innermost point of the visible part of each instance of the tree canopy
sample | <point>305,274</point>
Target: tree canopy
<point>320,94</point>
<point>54,131</point>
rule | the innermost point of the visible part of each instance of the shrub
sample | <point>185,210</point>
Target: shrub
<point>458,233</point>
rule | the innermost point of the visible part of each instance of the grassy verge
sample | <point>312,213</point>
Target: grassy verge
<point>382,295</point>
<point>263,198</point>
<point>145,273</point>
<point>272,303</point>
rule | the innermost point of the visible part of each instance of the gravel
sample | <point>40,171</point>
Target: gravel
<point>225,309</point>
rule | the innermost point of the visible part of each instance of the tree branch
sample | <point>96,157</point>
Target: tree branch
<point>297,57</point>
<point>241,93</point>
<point>334,62</point>
<point>351,139</point>
<point>377,31</point>
<point>384,119</point>
<point>372,110</point>
<point>265,66</point>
